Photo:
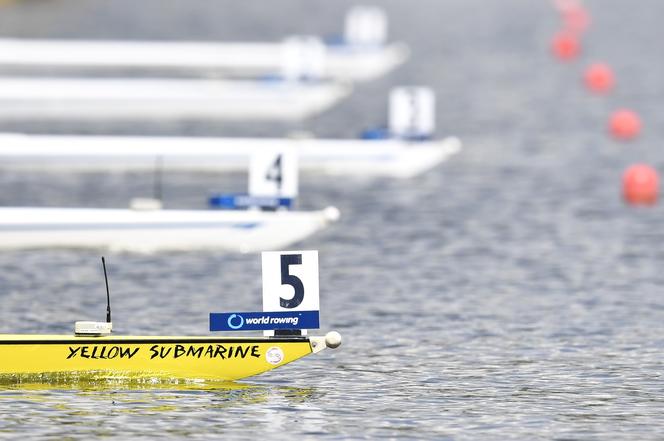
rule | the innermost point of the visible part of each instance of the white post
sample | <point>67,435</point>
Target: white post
<point>412,113</point>
<point>366,26</point>
<point>302,58</point>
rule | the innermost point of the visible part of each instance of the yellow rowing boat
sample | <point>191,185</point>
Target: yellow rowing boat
<point>145,357</point>
<point>92,353</point>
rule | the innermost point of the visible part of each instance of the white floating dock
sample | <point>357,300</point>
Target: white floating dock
<point>388,157</point>
<point>157,230</point>
<point>340,62</point>
<point>132,98</point>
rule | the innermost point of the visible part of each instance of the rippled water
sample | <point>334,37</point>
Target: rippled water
<point>508,294</point>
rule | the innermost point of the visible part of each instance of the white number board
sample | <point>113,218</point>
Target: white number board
<point>273,173</point>
<point>302,57</point>
<point>412,112</point>
<point>366,25</point>
<point>290,281</point>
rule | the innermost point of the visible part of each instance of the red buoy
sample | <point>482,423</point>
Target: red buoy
<point>565,46</point>
<point>576,19</point>
<point>640,185</point>
<point>563,5</point>
<point>598,78</point>
<point>624,124</point>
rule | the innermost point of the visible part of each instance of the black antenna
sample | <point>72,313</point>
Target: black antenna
<point>108,295</point>
<point>158,172</point>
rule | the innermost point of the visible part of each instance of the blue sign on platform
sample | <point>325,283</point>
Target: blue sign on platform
<point>244,201</point>
<point>263,321</point>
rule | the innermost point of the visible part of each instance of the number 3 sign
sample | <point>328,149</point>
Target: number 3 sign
<point>290,281</point>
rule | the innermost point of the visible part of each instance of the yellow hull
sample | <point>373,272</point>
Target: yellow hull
<point>189,358</point>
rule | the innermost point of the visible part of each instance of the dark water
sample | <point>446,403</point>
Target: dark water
<point>508,294</point>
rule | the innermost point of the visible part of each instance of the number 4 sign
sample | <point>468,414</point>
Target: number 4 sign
<point>273,173</point>
<point>290,282</point>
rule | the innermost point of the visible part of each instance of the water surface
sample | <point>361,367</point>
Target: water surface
<point>508,294</point>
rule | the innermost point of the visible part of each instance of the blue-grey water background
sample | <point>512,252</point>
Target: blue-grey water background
<point>507,294</point>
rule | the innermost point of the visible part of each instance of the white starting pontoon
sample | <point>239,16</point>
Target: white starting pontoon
<point>360,55</point>
<point>132,98</point>
<point>141,230</point>
<point>408,151</point>
<point>341,62</point>
<point>259,220</point>
<point>390,157</point>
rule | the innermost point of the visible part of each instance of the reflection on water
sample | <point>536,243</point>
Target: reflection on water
<point>129,409</point>
<point>90,381</point>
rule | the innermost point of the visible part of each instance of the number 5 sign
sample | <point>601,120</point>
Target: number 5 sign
<point>290,281</point>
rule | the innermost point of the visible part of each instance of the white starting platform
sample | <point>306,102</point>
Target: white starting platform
<point>361,54</point>
<point>390,157</point>
<point>260,220</point>
<point>153,230</point>
<point>404,150</point>
<point>82,98</point>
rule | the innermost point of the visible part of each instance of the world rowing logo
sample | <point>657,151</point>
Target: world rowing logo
<point>232,318</point>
